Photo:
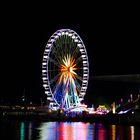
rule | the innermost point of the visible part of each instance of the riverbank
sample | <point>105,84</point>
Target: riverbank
<point>84,117</point>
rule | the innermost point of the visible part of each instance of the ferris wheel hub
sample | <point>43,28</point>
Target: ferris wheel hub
<point>70,69</point>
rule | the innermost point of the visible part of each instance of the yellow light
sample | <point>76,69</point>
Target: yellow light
<point>67,68</point>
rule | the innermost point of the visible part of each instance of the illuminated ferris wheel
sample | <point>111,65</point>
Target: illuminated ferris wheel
<point>65,70</point>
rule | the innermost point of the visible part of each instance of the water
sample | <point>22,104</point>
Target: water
<point>28,130</point>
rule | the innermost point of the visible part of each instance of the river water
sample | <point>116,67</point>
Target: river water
<point>34,130</point>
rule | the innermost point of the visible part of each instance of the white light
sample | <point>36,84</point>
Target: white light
<point>59,34</point>
<point>44,63</point>
<point>52,40</point>
<point>84,62</point>
<point>81,50</point>
<point>84,84</point>
<point>85,74</point>
<point>85,68</point>
<point>44,78</point>
<point>45,85</point>
<point>84,87</point>
<point>79,45</point>
<point>49,98</point>
<point>70,34</point>
<point>80,98</point>
<point>84,81</point>
<point>51,104</point>
<point>82,93</point>
<point>45,56</point>
<point>47,92</point>
<point>70,69</point>
<point>63,33</point>
<point>47,50</point>
<point>44,71</point>
<point>83,56</point>
<point>44,74</point>
<point>67,33</point>
<point>73,37</point>
<point>76,40</point>
<point>49,45</point>
<point>121,112</point>
<point>56,36</point>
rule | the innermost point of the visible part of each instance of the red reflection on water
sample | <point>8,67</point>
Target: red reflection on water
<point>72,131</point>
<point>65,131</point>
<point>101,132</point>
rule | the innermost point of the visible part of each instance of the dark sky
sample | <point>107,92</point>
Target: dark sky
<point>110,34</point>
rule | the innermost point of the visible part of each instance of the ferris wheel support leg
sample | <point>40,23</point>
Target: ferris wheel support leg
<point>77,100</point>
<point>68,101</point>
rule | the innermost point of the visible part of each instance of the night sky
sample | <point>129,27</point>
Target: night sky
<point>110,35</point>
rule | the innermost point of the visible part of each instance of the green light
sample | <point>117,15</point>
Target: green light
<point>22,131</point>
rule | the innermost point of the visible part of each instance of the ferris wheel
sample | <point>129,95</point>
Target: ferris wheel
<point>65,70</point>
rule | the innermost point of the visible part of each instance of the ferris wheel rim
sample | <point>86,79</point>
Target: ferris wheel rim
<point>46,58</point>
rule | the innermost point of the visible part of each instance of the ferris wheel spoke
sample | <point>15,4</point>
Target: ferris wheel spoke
<point>80,68</point>
<point>79,59</point>
<point>54,62</point>
<point>59,49</point>
<point>57,57</point>
<point>72,48</point>
<point>55,89</point>
<point>77,85</point>
<point>55,78</point>
<point>75,52</point>
<point>74,86</point>
<point>54,70</point>
<point>79,77</point>
<point>57,53</point>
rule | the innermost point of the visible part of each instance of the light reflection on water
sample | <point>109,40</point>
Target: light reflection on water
<point>85,131</point>
<point>27,130</point>
<point>22,125</point>
<point>113,132</point>
<point>132,132</point>
<point>65,131</point>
